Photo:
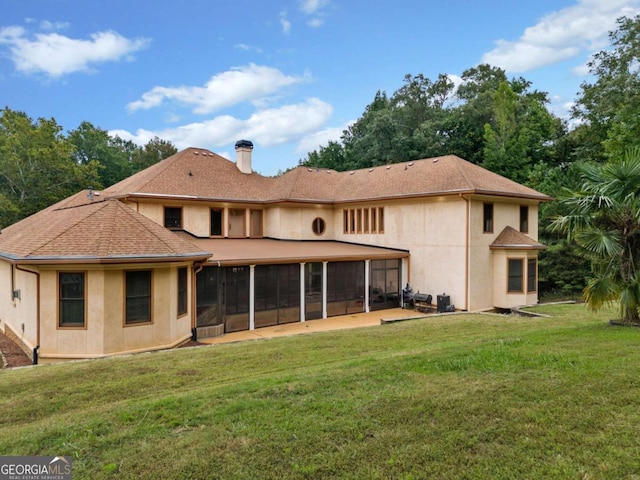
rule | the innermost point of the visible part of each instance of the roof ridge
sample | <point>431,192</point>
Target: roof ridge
<point>161,166</point>
<point>71,226</point>
<point>462,171</point>
<point>503,239</point>
<point>105,244</point>
<point>102,200</point>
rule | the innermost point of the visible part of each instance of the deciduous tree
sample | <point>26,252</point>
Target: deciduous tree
<point>609,106</point>
<point>36,165</point>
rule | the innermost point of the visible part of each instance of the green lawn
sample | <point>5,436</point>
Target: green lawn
<point>459,396</point>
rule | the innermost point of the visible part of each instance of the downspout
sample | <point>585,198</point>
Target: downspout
<point>194,330</point>
<point>467,253</point>
<point>37,347</point>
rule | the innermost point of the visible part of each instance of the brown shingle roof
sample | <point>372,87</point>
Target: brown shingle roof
<point>511,239</point>
<point>99,231</point>
<point>198,173</point>
<point>435,176</point>
<point>241,251</point>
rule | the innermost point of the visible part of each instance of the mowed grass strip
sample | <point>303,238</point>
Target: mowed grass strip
<point>460,396</point>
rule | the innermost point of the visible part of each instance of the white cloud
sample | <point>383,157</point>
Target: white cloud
<point>314,8</point>
<point>315,22</point>
<point>284,23</point>
<point>247,48</point>
<point>455,79</point>
<point>321,138</point>
<point>47,25</point>
<point>311,7</point>
<point>239,84</point>
<point>562,35</point>
<point>581,70</point>
<point>268,127</point>
<point>57,55</point>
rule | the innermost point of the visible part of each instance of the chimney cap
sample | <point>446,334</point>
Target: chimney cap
<point>244,144</point>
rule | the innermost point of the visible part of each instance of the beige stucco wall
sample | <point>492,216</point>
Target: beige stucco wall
<point>105,332</point>
<point>6,302</point>
<point>295,222</point>
<point>154,211</point>
<point>196,216</point>
<point>433,230</point>
<point>19,315</point>
<point>482,268</point>
<point>196,219</point>
<point>501,297</point>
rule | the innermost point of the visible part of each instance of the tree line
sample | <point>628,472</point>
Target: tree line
<point>40,165</point>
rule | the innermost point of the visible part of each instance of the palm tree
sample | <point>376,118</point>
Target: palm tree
<point>604,220</point>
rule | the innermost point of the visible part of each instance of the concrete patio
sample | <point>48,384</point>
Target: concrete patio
<point>355,320</point>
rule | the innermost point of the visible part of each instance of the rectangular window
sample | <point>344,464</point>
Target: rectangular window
<point>182,291</point>
<point>374,221</point>
<point>71,294</point>
<point>515,275</point>
<point>216,222</point>
<point>137,297</point>
<point>487,218</point>
<point>363,220</point>
<point>524,219</point>
<point>532,275</point>
<point>173,217</point>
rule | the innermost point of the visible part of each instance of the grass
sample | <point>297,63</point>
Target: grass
<point>461,396</point>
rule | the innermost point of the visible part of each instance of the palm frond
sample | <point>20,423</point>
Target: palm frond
<point>600,242</point>
<point>601,292</point>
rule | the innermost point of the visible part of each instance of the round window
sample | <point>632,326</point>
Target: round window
<point>318,226</point>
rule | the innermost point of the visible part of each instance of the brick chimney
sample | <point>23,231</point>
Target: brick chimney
<point>243,155</point>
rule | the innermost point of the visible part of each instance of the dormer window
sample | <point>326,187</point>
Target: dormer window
<point>173,217</point>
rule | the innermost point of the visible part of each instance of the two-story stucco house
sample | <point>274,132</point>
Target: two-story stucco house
<point>198,246</point>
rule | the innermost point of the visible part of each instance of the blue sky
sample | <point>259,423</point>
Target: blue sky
<point>288,75</point>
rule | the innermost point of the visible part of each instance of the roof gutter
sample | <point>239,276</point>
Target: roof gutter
<point>331,201</point>
<point>514,246</point>
<point>55,260</point>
